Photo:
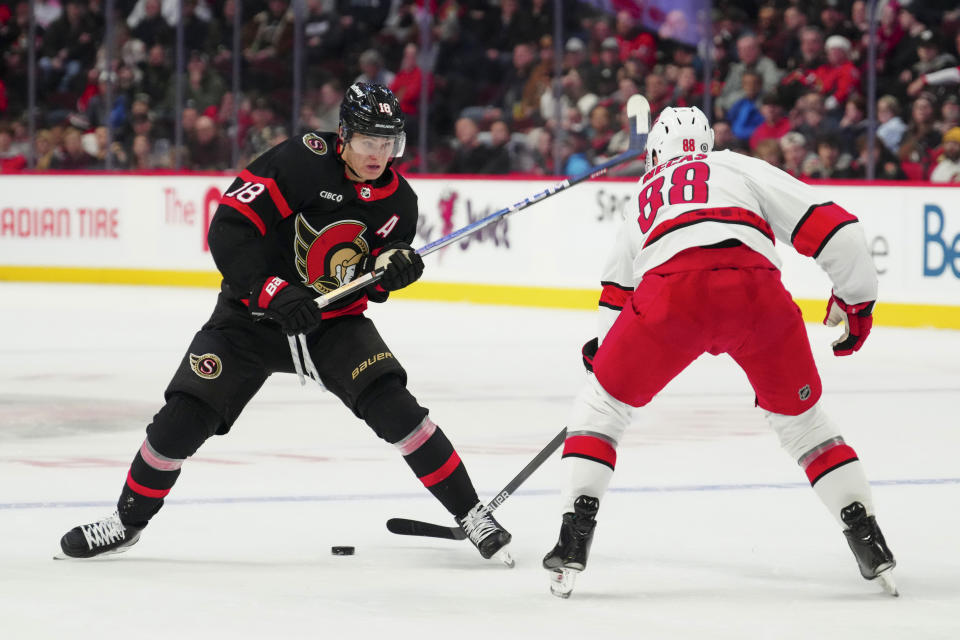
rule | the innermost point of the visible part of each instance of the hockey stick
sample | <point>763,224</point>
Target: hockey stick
<point>405,527</point>
<point>638,114</point>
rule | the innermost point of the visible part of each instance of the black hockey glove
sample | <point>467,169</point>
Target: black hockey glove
<point>291,307</point>
<point>404,266</point>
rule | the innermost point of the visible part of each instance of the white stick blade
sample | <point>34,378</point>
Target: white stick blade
<point>638,110</point>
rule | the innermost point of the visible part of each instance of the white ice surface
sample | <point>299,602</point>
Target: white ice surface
<point>709,532</point>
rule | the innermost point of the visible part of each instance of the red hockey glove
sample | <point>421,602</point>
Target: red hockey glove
<point>857,318</point>
<point>403,265</point>
<point>290,307</point>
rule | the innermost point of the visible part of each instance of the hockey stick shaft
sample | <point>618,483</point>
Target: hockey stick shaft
<point>638,111</point>
<point>375,275</point>
<point>405,527</point>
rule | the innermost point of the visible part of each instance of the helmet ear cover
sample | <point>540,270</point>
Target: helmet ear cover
<point>372,110</point>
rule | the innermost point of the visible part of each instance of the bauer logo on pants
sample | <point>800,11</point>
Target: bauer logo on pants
<point>207,366</point>
<point>369,362</point>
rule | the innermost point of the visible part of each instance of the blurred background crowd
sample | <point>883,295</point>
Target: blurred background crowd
<point>488,86</point>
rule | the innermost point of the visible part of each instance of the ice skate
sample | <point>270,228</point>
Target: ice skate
<point>875,559</point>
<point>487,535</point>
<point>100,538</point>
<point>569,556</point>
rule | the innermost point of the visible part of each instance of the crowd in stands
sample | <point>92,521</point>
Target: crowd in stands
<point>788,83</point>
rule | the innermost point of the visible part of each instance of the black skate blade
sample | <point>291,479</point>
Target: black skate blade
<point>406,527</point>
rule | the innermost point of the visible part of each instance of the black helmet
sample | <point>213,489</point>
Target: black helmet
<point>372,110</point>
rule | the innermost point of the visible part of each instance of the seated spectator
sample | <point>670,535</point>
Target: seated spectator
<point>372,69</point>
<point>811,117</point>
<point>841,78</point>
<point>44,150</point>
<point>751,59</point>
<point>573,154</point>
<point>948,168</point>
<point>885,163</point>
<point>921,139</point>
<point>207,149</point>
<point>775,124</point>
<point>806,70</point>
<point>151,28</point>
<point>72,157</point>
<point>795,153</point>
<point>744,115</point>
<point>471,156</point>
<point>831,164</point>
<point>11,160</point>
<point>853,124</point>
<point>949,114</point>
<point>723,138</point>
<point>930,61</point>
<point>891,128</point>
<point>689,90</point>
<point>603,77</point>
<point>501,150</point>
<point>769,151</point>
<point>600,129</point>
<point>542,152</point>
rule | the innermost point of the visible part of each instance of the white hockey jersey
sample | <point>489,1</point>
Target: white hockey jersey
<point>703,199</point>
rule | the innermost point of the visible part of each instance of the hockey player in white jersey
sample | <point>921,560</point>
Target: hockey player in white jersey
<point>694,270</point>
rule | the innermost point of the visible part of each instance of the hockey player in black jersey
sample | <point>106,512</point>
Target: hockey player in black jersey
<point>306,217</point>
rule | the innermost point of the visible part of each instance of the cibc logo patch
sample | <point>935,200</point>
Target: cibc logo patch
<point>315,143</point>
<point>207,366</point>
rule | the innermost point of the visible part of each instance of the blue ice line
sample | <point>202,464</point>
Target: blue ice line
<point>346,497</point>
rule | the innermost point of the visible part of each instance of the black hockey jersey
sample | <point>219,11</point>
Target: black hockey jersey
<point>293,213</point>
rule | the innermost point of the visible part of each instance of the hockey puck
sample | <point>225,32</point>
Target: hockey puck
<point>342,551</point>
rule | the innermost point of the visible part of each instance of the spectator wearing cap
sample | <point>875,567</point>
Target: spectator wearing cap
<point>834,22</point>
<point>603,76</point>
<point>575,57</point>
<point>841,77</point>
<point>930,59</point>
<point>775,124</point>
<point>948,168</point>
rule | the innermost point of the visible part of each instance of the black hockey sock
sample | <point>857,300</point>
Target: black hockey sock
<point>147,485</point>
<point>432,457</point>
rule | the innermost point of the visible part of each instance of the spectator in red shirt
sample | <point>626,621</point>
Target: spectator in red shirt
<point>635,43</point>
<point>406,83</point>
<point>841,77</point>
<point>775,124</point>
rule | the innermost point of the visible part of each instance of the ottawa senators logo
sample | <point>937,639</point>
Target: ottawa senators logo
<point>329,258</point>
<point>315,143</point>
<point>207,366</point>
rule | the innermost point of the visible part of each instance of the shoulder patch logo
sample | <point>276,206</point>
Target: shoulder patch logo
<point>207,366</point>
<point>315,143</point>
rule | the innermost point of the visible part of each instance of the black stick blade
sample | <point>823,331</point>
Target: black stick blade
<point>405,527</point>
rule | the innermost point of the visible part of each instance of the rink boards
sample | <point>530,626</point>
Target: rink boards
<point>151,229</point>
